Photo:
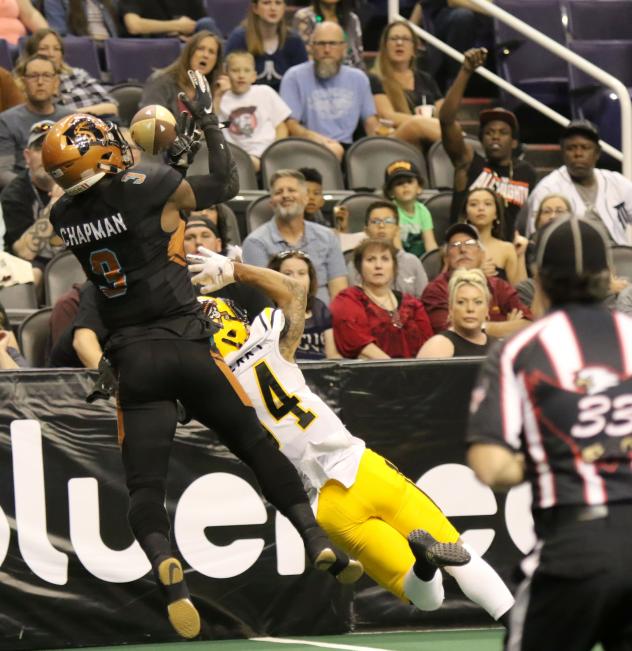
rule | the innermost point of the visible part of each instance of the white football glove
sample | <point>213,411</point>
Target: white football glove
<point>213,271</point>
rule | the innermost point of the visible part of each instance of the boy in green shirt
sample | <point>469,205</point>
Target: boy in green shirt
<point>403,184</point>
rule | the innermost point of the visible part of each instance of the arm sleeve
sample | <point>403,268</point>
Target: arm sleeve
<point>426,218</point>
<point>366,97</point>
<point>279,110</point>
<point>495,404</point>
<point>88,314</point>
<point>421,316</point>
<point>350,324</point>
<point>55,14</point>
<point>421,281</point>
<point>435,300</point>
<point>335,260</point>
<point>254,253</point>
<point>222,181</point>
<point>290,94</point>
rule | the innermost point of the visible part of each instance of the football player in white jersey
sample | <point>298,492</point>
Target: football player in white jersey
<point>367,507</point>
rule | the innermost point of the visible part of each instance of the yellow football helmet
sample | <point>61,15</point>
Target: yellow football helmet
<point>233,328</point>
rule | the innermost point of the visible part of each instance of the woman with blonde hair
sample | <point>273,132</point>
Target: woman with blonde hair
<point>468,310</point>
<point>203,52</point>
<point>265,35</point>
<point>404,96</point>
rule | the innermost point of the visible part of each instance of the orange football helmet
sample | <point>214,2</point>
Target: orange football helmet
<point>81,149</point>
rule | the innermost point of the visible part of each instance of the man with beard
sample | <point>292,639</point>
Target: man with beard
<point>600,196</point>
<point>510,178</point>
<point>288,231</point>
<point>40,80</point>
<point>26,204</point>
<point>328,99</point>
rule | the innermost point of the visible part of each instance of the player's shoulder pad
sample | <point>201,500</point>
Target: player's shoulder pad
<point>270,319</point>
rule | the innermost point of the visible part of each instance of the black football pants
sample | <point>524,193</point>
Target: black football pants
<point>152,375</point>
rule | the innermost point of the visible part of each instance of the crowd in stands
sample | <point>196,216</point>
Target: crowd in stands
<point>304,72</point>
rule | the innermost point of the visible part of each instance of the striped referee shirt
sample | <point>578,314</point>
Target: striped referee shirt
<point>561,393</point>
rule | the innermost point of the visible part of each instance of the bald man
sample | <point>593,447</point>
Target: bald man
<point>327,98</point>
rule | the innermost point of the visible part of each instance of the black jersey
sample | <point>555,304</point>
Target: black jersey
<point>114,230</point>
<point>511,182</point>
<point>561,392</point>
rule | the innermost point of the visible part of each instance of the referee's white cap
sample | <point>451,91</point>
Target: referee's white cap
<point>572,246</point>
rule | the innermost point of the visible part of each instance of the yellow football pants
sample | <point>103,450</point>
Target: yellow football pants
<point>372,519</point>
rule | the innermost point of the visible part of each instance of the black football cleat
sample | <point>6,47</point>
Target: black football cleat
<point>427,550</point>
<point>345,569</point>
<point>182,613</point>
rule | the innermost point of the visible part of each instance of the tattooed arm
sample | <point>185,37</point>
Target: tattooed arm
<point>288,294</point>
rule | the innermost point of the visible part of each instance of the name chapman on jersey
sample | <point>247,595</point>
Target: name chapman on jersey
<point>98,229</point>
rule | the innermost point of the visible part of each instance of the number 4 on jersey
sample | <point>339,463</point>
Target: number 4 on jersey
<point>277,401</point>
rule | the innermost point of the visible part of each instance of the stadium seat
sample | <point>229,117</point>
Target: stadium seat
<point>357,205</point>
<point>440,168</point>
<point>247,174</point>
<point>245,169</point>
<point>134,59</point>
<point>589,20</point>
<point>81,52</point>
<point>6,61</point>
<point>439,207</point>
<point>128,98</point>
<point>433,263</point>
<point>526,64</point>
<point>34,337</point>
<point>293,153</point>
<point>22,297</point>
<point>60,274</point>
<point>622,261</point>
<point>367,159</point>
<point>259,212</point>
<point>227,13</point>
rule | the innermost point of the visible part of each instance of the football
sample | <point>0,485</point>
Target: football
<point>153,128</point>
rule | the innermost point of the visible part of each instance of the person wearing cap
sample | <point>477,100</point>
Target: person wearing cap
<point>463,250</point>
<point>26,204</point>
<point>39,78</point>
<point>512,179</point>
<point>402,185</point>
<point>600,196</point>
<point>551,407</point>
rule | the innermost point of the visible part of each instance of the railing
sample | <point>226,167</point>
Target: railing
<point>548,43</point>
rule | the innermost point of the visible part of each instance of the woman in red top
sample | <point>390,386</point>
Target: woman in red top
<point>373,321</point>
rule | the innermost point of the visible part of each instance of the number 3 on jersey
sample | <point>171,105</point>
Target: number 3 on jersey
<point>276,399</point>
<point>105,263</point>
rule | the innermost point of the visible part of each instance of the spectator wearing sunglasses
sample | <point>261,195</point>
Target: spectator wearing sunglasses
<point>382,223</point>
<point>463,250</point>
<point>39,78</point>
<point>26,204</point>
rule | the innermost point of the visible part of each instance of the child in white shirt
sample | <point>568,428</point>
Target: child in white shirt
<point>256,112</point>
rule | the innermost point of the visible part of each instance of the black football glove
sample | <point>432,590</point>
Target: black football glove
<point>201,107</point>
<point>183,149</point>
<point>106,384</point>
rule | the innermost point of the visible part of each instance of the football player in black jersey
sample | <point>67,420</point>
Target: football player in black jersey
<point>124,226</point>
<point>553,406</point>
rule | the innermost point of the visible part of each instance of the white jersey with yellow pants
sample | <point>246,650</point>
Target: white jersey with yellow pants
<point>364,503</point>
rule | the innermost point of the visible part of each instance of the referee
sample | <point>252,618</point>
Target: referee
<point>553,406</point>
